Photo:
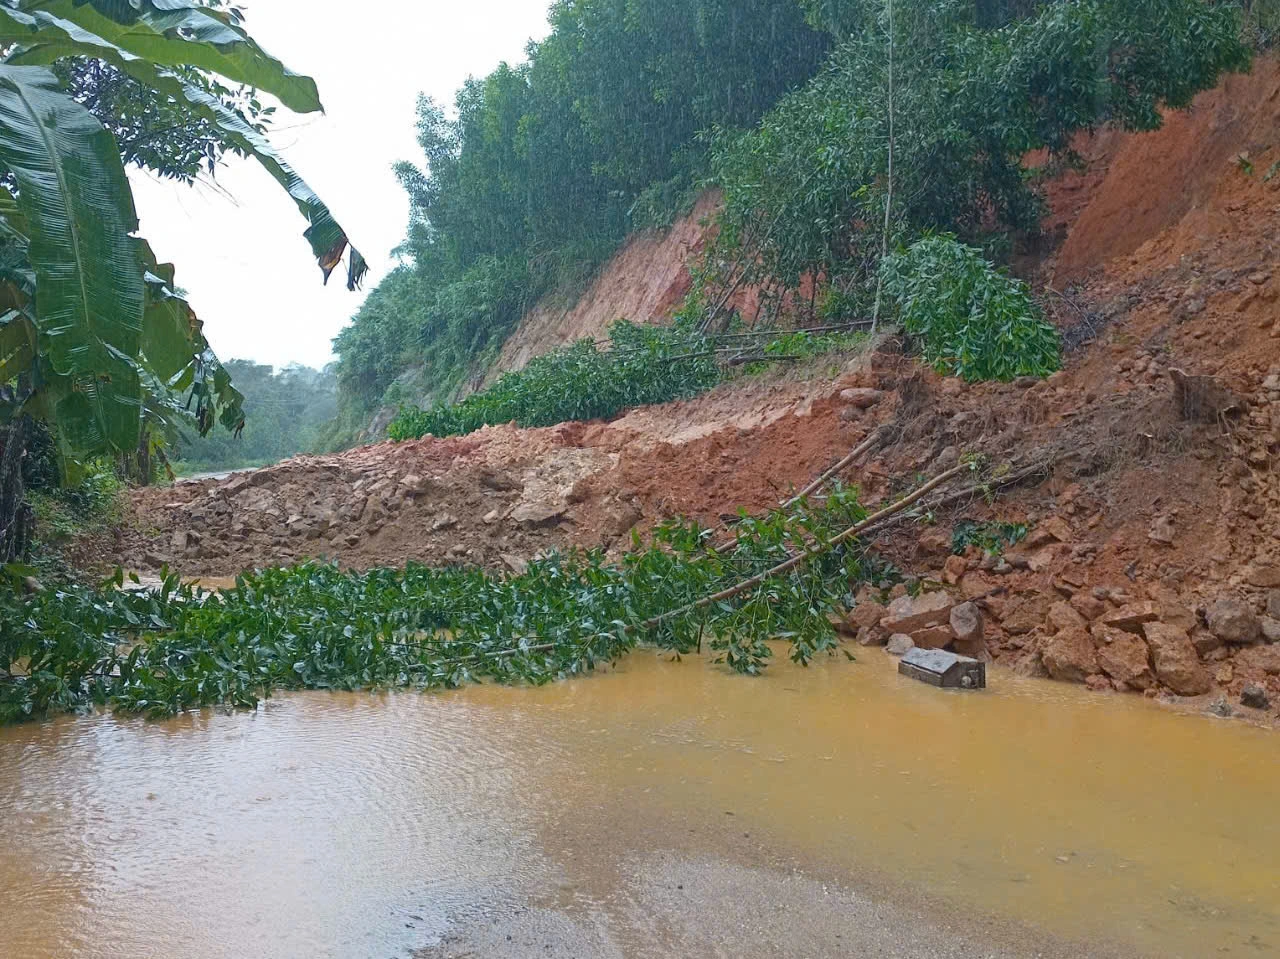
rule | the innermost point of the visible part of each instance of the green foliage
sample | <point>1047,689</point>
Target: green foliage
<point>315,627</point>
<point>992,538</point>
<point>971,319</point>
<point>93,330</point>
<point>92,505</point>
<point>286,413</point>
<point>535,176</point>
<point>976,86</point>
<point>645,365</point>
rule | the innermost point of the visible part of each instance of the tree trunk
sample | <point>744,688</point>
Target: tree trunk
<point>16,518</point>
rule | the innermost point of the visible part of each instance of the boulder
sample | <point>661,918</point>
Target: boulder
<point>1024,613</point>
<point>1204,641</point>
<point>863,398</point>
<point>1264,577</point>
<point>1232,620</point>
<point>899,645</point>
<point>1088,606</point>
<point>414,485</point>
<point>1175,660</point>
<point>1064,616</point>
<point>1162,531</point>
<point>974,649</point>
<point>1273,604</point>
<point>185,539</point>
<point>1055,529</point>
<point>1131,617</point>
<point>966,623</point>
<point>954,569</point>
<point>1255,696</point>
<point>907,614</point>
<point>866,613</point>
<point>1270,629</point>
<point>1070,656</point>
<point>933,637</point>
<point>1125,658</point>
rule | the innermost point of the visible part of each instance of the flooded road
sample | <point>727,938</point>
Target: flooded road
<point>658,809</point>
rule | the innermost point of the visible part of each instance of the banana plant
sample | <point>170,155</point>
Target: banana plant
<point>92,328</point>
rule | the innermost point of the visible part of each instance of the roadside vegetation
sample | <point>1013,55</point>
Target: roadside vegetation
<point>162,651</point>
<point>641,365</point>
<point>883,123</point>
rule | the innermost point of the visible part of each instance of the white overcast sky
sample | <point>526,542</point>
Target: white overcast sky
<point>238,245</point>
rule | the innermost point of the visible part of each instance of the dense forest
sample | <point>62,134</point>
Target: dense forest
<point>836,129</point>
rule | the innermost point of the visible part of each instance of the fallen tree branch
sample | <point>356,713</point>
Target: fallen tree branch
<point>977,489</point>
<point>814,552</point>
<point>816,485</point>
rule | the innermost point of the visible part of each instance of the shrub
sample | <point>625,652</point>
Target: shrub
<point>645,365</point>
<point>970,319</point>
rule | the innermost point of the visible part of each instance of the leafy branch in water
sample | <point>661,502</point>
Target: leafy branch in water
<point>315,627</point>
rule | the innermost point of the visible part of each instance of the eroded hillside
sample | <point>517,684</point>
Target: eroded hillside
<point>1153,560</point>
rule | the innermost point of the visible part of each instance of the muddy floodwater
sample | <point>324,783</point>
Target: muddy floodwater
<point>657,809</point>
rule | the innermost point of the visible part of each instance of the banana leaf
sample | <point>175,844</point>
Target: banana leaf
<point>46,38</point>
<point>75,198</point>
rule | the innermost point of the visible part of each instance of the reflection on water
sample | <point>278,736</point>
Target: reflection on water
<point>355,826</point>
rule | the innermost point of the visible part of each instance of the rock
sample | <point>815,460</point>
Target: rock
<point>899,645</point>
<point>1162,531</point>
<point>1221,708</point>
<point>539,513</point>
<point>516,564</point>
<point>1088,606</point>
<point>414,485</point>
<point>974,649</point>
<point>870,637</point>
<point>185,539</point>
<point>1232,620</point>
<point>841,625</point>
<point>1064,616</point>
<point>966,623</point>
<point>1126,659</point>
<point>1255,697</point>
<point>1264,658</point>
<point>1098,683</point>
<point>1055,529</point>
<point>867,613</point>
<point>954,569</point>
<point>1131,617</point>
<point>1175,660</point>
<point>935,543</point>
<point>1024,613</point>
<point>907,614</point>
<point>1205,642</point>
<point>491,517</point>
<point>1264,577</point>
<point>1070,656</point>
<point>444,521</point>
<point>1224,675</point>
<point>1270,629</point>
<point>1273,604</point>
<point>154,560</point>
<point>933,637</point>
<point>862,399</point>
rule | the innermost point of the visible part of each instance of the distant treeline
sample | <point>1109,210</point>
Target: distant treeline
<point>287,413</point>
